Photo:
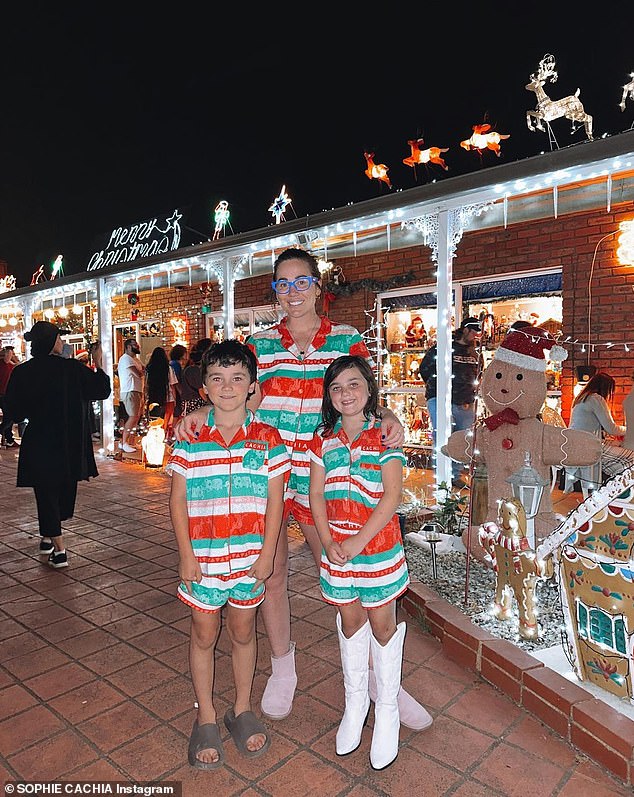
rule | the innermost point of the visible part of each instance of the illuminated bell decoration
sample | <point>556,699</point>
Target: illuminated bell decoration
<point>528,486</point>
<point>133,298</point>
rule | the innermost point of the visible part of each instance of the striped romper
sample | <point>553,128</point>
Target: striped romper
<point>292,390</point>
<point>353,487</point>
<point>227,489</point>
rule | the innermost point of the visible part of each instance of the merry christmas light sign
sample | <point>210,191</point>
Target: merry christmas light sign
<point>139,240</point>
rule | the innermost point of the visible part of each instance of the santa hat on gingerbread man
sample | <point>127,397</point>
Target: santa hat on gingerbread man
<point>530,348</point>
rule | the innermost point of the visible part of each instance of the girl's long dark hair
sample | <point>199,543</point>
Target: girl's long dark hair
<point>157,377</point>
<point>600,383</point>
<point>329,414</point>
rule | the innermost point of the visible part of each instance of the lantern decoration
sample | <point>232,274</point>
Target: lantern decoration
<point>38,276</point>
<point>628,92</point>
<point>484,138</point>
<point>58,267</point>
<point>153,443</point>
<point>625,250</point>
<point>279,204</point>
<point>221,219</point>
<point>569,107</point>
<point>527,486</point>
<point>430,155</point>
<point>376,171</point>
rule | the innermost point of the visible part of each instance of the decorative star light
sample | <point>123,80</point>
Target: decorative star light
<point>628,92</point>
<point>279,205</point>
<point>484,138</point>
<point>221,218</point>
<point>376,171</point>
<point>58,267</point>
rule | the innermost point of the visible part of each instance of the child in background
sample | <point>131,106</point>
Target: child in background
<point>226,506</point>
<point>355,488</point>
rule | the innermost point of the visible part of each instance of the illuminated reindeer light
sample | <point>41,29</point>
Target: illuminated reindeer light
<point>628,92</point>
<point>430,155</point>
<point>547,109</point>
<point>376,171</point>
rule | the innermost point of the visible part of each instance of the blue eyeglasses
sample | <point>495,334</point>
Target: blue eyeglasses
<point>300,284</point>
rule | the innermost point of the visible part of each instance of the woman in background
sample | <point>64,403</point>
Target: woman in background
<point>591,413</point>
<point>159,387</point>
<point>193,393</point>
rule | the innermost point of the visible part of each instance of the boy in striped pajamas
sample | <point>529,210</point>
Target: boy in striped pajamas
<point>355,488</point>
<point>226,505</point>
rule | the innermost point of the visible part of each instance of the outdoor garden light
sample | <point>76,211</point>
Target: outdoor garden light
<point>528,486</point>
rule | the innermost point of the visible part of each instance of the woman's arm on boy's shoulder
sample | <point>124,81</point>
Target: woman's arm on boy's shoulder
<point>188,567</point>
<point>383,512</point>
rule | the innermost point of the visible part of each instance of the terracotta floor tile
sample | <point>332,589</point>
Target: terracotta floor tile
<point>168,699</point>
<point>158,640</point>
<point>112,658</point>
<point>19,645</point>
<point>62,679</point>
<point>53,757</point>
<point>27,728</point>
<point>413,775</point>
<point>135,678</point>
<point>534,737</point>
<point>512,771</point>
<point>452,743</point>
<point>85,644</point>
<point>86,701</point>
<point>14,699</point>
<point>300,775</point>
<point>153,755</point>
<point>24,667</point>
<point>118,725</point>
<point>578,786</point>
<point>484,708</point>
<point>65,629</point>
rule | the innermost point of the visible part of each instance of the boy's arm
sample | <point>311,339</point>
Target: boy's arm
<point>263,565</point>
<point>188,567</point>
<point>392,477</point>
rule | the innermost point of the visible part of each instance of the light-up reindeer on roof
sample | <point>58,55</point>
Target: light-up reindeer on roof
<point>570,107</point>
<point>376,171</point>
<point>628,92</point>
<point>430,155</point>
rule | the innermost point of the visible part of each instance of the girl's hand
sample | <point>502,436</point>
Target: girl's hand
<point>188,571</point>
<point>335,553</point>
<point>352,547</point>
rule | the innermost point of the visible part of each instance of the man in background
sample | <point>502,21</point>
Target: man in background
<point>131,371</point>
<point>465,366</point>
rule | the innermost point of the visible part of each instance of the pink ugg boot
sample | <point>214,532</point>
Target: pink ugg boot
<point>412,714</point>
<point>277,700</point>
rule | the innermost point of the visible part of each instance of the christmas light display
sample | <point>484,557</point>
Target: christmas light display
<point>625,251</point>
<point>628,92</point>
<point>279,205</point>
<point>484,138</point>
<point>376,171</point>
<point>7,284</point>
<point>430,155</point>
<point>569,107</point>
<point>58,267</point>
<point>221,219</point>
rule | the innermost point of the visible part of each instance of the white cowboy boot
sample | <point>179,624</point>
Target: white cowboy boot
<point>354,662</point>
<point>277,700</point>
<point>413,715</point>
<point>387,668</point>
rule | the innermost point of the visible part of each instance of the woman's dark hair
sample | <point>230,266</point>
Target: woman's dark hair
<point>600,383</point>
<point>177,352</point>
<point>197,351</point>
<point>329,414</point>
<point>298,254</point>
<point>157,377</point>
<point>230,352</point>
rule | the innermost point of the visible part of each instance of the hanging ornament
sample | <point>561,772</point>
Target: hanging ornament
<point>484,138</point>
<point>376,171</point>
<point>133,298</point>
<point>279,205</point>
<point>569,107</point>
<point>430,155</point>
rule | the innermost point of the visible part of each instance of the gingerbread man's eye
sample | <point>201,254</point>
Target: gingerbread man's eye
<point>519,377</point>
<point>498,375</point>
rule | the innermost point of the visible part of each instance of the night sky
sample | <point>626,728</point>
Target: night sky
<point>111,116</point>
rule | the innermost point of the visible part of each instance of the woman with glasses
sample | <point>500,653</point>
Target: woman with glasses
<point>293,356</point>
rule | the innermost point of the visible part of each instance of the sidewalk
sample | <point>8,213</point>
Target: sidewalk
<point>94,682</point>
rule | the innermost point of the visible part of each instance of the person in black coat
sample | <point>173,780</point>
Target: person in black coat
<point>55,395</point>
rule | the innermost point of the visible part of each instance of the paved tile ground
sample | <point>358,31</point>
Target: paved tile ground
<point>94,679</point>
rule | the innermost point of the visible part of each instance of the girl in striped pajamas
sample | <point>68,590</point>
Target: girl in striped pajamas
<point>355,488</point>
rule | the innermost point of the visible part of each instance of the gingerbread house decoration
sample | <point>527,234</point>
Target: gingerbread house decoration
<point>593,552</point>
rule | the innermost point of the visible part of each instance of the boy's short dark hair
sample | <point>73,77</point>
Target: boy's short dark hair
<point>230,352</point>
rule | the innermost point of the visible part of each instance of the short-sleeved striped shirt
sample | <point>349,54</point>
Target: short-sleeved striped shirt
<point>227,490</point>
<point>292,387</point>
<point>353,487</point>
